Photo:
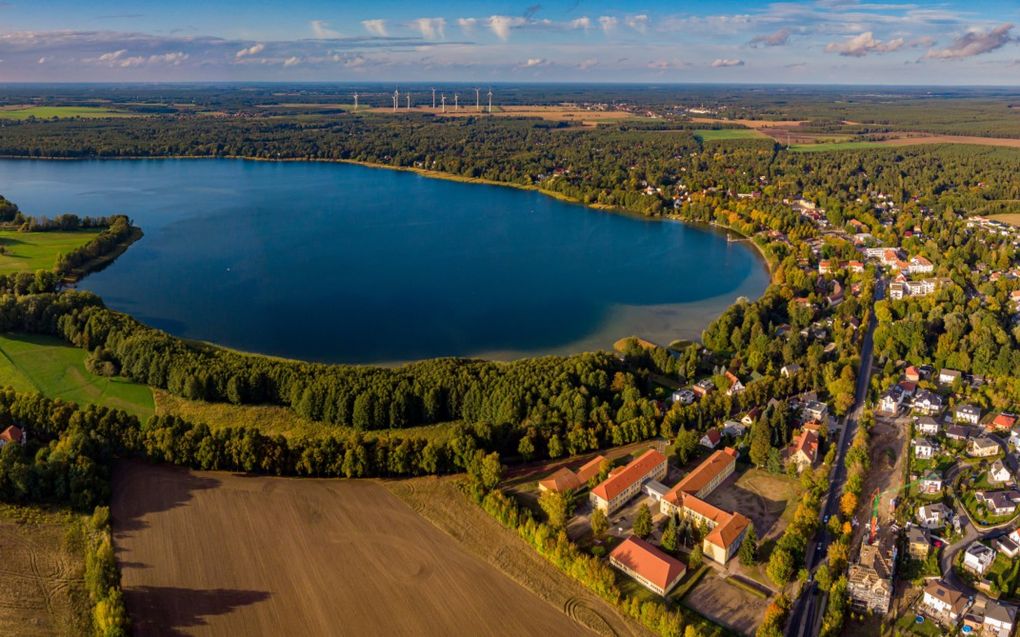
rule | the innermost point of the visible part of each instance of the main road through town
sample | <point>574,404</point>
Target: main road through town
<point>805,617</point>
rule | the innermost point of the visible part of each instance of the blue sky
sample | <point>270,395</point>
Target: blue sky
<point>808,41</point>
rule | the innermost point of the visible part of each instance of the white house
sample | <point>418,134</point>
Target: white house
<point>814,410</point>
<point>926,402</point>
<point>891,401</point>
<point>683,396</point>
<point>999,618</point>
<point>998,473</point>
<point>1014,438</point>
<point>931,483</point>
<point>949,376</point>
<point>920,265</point>
<point>982,447</point>
<point>943,601</point>
<point>978,558</point>
<point>923,448</point>
<point>734,428</point>
<point>999,502</point>
<point>928,426</point>
<point>967,414</point>
<point>933,516</point>
<point>711,438</point>
<point>789,370</point>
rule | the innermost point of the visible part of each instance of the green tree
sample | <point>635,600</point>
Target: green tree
<point>671,536</point>
<point>643,522</point>
<point>555,447</point>
<point>686,442</point>
<point>780,567</point>
<point>761,443</point>
<point>695,559</point>
<point>824,577</point>
<point>558,507</point>
<point>526,448</point>
<point>748,552</point>
<point>599,523</point>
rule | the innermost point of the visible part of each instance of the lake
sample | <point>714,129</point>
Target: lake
<point>344,263</point>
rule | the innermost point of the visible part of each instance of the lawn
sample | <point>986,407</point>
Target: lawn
<point>57,370</point>
<point>49,112</point>
<point>726,134</point>
<point>31,251</point>
<point>819,148</point>
<point>1012,218</point>
<point>907,625</point>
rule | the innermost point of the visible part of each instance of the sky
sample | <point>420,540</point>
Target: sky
<point>950,42</point>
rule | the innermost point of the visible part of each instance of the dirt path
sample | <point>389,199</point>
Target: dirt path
<point>210,553</point>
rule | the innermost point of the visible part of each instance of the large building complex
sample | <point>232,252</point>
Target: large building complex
<point>648,565</point>
<point>726,530</point>
<point>624,484</point>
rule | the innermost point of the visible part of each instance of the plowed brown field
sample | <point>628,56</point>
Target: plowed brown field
<point>208,553</point>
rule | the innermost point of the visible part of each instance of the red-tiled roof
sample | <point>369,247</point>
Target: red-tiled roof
<point>648,562</point>
<point>630,474</point>
<point>1004,421</point>
<point>11,434</point>
<point>560,481</point>
<point>703,474</point>
<point>726,533</point>
<point>713,436</point>
<point>590,468</point>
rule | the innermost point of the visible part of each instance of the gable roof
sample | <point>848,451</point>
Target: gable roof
<point>590,469</point>
<point>648,562</point>
<point>703,474</point>
<point>11,434</point>
<point>727,532</point>
<point>940,591</point>
<point>807,442</point>
<point>634,471</point>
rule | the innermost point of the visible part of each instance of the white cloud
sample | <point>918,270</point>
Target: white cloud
<point>501,25</point>
<point>608,23</point>
<point>112,55</point>
<point>42,60</point>
<point>375,27</point>
<point>173,59</point>
<point>860,45</point>
<point>589,63</point>
<point>254,49</point>
<point>778,38</point>
<point>725,62</point>
<point>533,62</point>
<point>321,30</point>
<point>974,42</point>
<point>467,25</point>
<point>584,22</point>
<point>431,28</point>
<point>292,61</point>
<point>638,22</point>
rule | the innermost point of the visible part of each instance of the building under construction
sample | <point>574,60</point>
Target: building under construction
<point>870,579</point>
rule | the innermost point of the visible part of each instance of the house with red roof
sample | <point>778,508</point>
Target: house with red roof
<point>625,483</point>
<point>711,438</point>
<point>912,374</point>
<point>1002,422</point>
<point>803,451</point>
<point>568,480</point>
<point>11,434</point>
<point>652,568</point>
<point>735,385</point>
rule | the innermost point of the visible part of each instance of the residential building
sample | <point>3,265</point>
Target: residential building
<point>998,473</point>
<point>912,374</point>
<point>623,485</point>
<point>958,433</point>
<point>703,387</point>
<point>870,580</point>
<point>927,426</point>
<point>1006,546</point>
<point>726,530</point>
<point>926,402</point>
<point>1002,422</point>
<point>789,370</point>
<point>890,401</point>
<point>649,566</point>
<point>711,438</point>
<point>999,502</point>
<point>855,266</point>
<point>982,447</point>
<point>918,545</point>
<point>12,434</point>
<point>803,451</point>
<point>933,516</point>
<point>814,410</point>
<point>999,619</point>
<point>931,483</point>
<point>944,602</point>
<point>968,414</point>
<point>1014,437</point>
<point>949,376</point>
<point>924,449</point>
<point>978,558</point>
<point>920,265</point>
<point>568,480</point>
<point>735,385</point>
<point>734,429</point>
<point>683,396</point>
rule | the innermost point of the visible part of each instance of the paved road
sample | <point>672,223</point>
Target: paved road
<point>806,614</point>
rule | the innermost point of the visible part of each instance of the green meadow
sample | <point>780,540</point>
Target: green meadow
<point>31,251</point>
<point>726,134</point>
<point>49,112</point>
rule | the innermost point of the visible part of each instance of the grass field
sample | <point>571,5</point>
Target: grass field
<point>49,112</point>
<point>1012,219</point>
<point>727,134</point>
<point>825,147</point>
<point>42,574</point>
<point>57,370</point>
<point>206,553</point>
<point>31,251</point>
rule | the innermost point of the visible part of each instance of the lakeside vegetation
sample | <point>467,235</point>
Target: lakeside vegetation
<point>28,252</point>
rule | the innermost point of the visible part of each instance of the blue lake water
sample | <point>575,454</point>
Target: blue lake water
<point>344,263</point>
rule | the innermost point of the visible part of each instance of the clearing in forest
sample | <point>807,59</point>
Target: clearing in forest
<point>31,251</point>
<point>21,112</point>
<point>208,553</point>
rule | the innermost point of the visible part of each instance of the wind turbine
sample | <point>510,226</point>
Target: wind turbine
<point>396,98</point>
<point>490,100</point>
<point>456,105</point>
<point>408,101</point>
<point>478,105</point>
<point>355,100</point>
<point>433,98</point>
<point>444,102</point>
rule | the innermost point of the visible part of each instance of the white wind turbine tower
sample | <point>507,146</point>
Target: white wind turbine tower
<point>478,104</point>
<point>396,98</point>
<point>456,104</point>
<point>490,100</point>
<point>433,99</point>
<point>444,102</point>
<point>355,100</point>
<point>408,101</point>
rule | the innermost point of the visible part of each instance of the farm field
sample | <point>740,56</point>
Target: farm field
<point>570,114</point>
<point>31,251</point>
<point>206,553</point>
<point>49,112</point>
<point>41,574</point>
<point>57,370</point>
<point>727,134</point>
<point>1012,219</point>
